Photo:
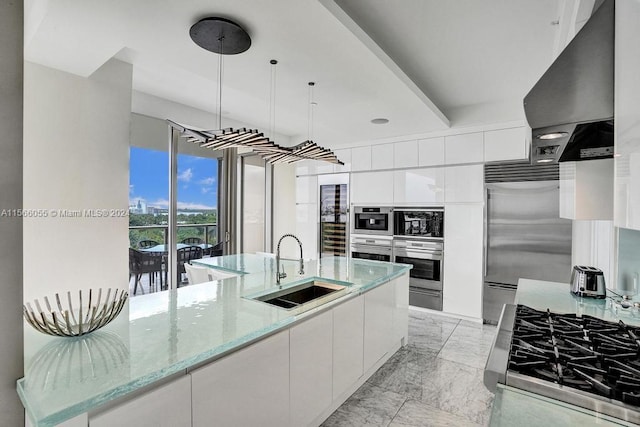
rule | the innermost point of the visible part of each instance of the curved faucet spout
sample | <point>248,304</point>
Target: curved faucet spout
<point>282,275</point>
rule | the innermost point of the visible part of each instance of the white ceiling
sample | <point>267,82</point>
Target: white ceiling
<point>423,64</point>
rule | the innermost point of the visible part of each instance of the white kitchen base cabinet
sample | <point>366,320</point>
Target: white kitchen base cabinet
<point>295,377</point>
<point>348,344</point>
<point>166,406</point>
<point>462,287</point>
<point>311,371</point>
<point>401,308</point>
<point>378,323</point>
<point>247,388</point>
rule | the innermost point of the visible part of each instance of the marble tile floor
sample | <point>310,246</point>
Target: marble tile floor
<point>436,380</point>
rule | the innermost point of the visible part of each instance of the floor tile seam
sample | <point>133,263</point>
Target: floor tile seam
<point>447,340</point>
<point>398,411</point>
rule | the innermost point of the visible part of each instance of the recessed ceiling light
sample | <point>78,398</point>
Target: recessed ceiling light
<point>544,161</point>
<point>380,121</point>
<point>552,135</point>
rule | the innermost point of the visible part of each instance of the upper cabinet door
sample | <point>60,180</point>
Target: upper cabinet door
<point>306,167</point>
<point>372,188</point>
<point>627,118</point>
<point>361,158</point>
<point>465,148</point>
<point>506,144</point>
<point>418,186</point>
<point>405,154</point>
<point>382,156</point>
<point>344,156</point>
<point>306,189</point>
<point>464,184</point>
<point>431,152</point>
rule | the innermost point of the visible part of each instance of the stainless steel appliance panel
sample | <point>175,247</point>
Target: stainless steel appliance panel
<point>372,220</point>
<point>495,296</point>
<point>425,278</point>
<point>418,222</point>
<point>375,249</point>
<point>425,298</point>
<point>525,238</point>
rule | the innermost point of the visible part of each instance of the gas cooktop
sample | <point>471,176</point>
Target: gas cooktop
<point>580,360</point>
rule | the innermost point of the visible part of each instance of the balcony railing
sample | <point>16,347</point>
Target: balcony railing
<point>160,233</point>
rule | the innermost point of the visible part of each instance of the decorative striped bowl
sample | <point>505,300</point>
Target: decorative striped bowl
<point>78,317</point>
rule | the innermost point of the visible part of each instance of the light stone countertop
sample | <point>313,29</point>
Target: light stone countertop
<point>165,333</point>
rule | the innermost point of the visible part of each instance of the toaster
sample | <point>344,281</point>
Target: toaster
<point>587,282</point>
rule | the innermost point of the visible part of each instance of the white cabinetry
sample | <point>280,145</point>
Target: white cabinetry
<point>307,228</point>
<point>372,188</point>
<point>586,190</point>
<point>348,344</point>
<point>165,406</point>
<point>462,287</point>
<point>306,189</point>
<point>361,158</point>
<point>247,388</point>
<point>382,156</point>
<point>311,344</point>
<point>431,152</point>
<point>465,148</point>
<point>378,323</point>
<point>627,117</point>
<point>464,184</point>
<point>344,156</point>
<point>506,144</point>
<point>405,154</point>
<point>401,308</point>
<point>418,186</point>
<point>306,167</point>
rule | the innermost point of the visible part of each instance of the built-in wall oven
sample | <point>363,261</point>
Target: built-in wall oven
<point>419,240</point>
<point>376,248</point>
<point>372,220</point>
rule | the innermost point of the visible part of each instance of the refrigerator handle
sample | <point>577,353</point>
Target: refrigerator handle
<point>485,232</point>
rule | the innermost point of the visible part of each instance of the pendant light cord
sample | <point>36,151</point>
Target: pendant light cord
<point>311,105</point>
<point>219,87</point>
<point>272,106</point>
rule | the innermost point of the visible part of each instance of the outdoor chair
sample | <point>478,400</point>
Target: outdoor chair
<point>192,241</point>
<point>184,256</point>
<point>141,263</point>
<point>145,244</point>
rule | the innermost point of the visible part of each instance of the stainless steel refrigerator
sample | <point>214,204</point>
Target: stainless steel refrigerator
<point>524,234</point>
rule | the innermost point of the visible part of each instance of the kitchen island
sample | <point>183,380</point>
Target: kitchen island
<point>182,357</point>
<point>513,406</point>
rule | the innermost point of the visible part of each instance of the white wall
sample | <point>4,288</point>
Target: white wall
<point>11,63</point>
<point>593,244</point>
<point>284,209</point>
<point>76,156</point>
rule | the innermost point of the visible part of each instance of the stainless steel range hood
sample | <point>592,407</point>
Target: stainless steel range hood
<point>570,109</point>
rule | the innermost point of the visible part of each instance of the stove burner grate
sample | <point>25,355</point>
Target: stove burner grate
<point>584,353</point>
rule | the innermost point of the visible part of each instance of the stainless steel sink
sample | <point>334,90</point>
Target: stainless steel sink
<point>305,295</point>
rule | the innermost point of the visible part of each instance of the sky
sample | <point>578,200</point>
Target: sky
<point>149,180</point>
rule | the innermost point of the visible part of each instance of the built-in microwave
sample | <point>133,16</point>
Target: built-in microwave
<point>419,222</point>
<point>372,220</point>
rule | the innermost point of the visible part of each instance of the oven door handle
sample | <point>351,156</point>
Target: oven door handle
<point>436,255</point>
<point>428,292</point>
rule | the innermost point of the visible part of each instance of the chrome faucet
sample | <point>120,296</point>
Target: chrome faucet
<point>282,275</point>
